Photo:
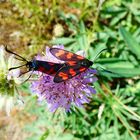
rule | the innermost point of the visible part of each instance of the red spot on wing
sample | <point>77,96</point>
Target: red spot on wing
<point>72,72</point>
<point>51,71</point>
<point>49,68</point>
<point>59,53</point>
<point>63,75</point>
<point>82,69</point>
<point>80,57</point>
<point>41,69</point>
<point>71,63</point>
<point>69,55</point>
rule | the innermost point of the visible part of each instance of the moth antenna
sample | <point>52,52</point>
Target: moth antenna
<point>17,67</point>
<point>15,54</point>
<point>19,59</point>
<point>99,54</point>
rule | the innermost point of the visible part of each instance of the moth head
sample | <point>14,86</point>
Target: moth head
<point>86,63</point>
<point>31,65</point>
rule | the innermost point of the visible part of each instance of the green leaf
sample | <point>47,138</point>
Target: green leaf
<point>118,64</point>
<point>45,135</point>
<point>117,18</point>
<point>125,72</point>
<point>63,40</point>
<point>130,41</point>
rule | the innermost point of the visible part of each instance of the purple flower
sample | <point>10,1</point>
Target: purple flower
<point>77,90</point>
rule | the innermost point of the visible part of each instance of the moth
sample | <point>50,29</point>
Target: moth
<point>74,64</point>
<point>49,68</point>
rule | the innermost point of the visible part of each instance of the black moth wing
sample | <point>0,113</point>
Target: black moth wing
<point>65,55</point>
<point>68,72</point>
<point>49,68</point>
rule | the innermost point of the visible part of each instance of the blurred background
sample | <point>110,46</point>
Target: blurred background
<point>27,26</point>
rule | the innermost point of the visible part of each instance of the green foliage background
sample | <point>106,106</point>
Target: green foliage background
<point>114,112</point>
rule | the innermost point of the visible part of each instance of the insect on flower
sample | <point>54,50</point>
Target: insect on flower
<point>72,92</point>
<point>74,64</point>
<point>49,68</point>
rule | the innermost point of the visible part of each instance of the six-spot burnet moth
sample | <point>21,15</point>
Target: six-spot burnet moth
<point>36,65</point>
<point>73,64</point>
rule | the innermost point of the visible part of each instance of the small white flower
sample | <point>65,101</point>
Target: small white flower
<point>8,81</point>
<point>58,30</point>
<point>101,109</point>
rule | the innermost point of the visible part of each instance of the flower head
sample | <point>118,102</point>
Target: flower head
<point>8,81</point>
<point>73,91</point>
